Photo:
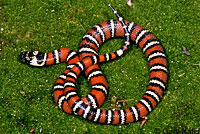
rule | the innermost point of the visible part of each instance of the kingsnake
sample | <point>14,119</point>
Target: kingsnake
<point>88,59</point>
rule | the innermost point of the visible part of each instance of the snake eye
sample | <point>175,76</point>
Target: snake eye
<point>40,56</point>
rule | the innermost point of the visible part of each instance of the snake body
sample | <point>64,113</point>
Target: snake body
<point>88,59</point>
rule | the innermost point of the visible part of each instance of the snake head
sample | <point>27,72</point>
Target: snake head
<point>33,58</point>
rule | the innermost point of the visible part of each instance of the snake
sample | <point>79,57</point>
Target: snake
<point>87,61</point>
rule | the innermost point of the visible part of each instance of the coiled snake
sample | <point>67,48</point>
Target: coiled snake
<point>88,59</point>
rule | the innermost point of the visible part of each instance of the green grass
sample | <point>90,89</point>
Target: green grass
<point>47,25</point>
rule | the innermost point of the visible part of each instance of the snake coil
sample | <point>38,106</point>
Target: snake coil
<point>88,59</point>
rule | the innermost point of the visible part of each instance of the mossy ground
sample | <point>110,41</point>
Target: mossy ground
<point>26,92</point>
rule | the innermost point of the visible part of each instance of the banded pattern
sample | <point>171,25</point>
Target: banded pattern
<point>89,47</point>
<point>88,107</point>
<point>157,84</point>
<point>95,76</point>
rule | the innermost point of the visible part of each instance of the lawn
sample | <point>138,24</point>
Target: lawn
<point>26,92</point>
